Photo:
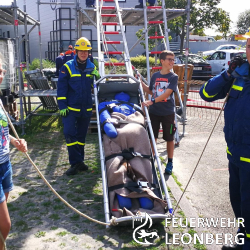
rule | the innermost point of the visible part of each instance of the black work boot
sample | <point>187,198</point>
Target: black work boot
<point>232,247</point>
<point>74,169</point>
<point>83,167</point>
<point>235,246</point>
<point>139,6</point>
<point>151,4</point>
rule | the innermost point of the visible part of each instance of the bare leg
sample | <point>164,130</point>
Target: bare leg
<point>5,222</point>
<point>170,149</point>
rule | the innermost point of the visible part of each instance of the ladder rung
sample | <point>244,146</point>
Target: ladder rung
<point>114,64</point>
<point>156,67</point>
<point>112,42</point>
<point>155,52</point>
<point>108,7</point>
<point>156,37</point>
<point>153,22</point>
<point>109,23</point>
<point>113,53</point>
<point>154,7</point>
<point>112,32</point>
<point>108,15</point>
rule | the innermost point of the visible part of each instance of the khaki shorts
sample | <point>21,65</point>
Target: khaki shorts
<point>168,125</point>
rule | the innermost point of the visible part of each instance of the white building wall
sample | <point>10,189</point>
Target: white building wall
<point>47,15</point>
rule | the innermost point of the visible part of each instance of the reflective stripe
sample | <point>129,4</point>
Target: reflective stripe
<point>74,143</point>
<point>80,143</point>
<point>71,75</point>
<point>245,159</point>
<point>68,69</point>
<point>61,98</point>
<point>228,151</point>
<point>89,109</point>
<point>206,94</point>
<point>248,235</point>
<point>237,87</point>
<point>88,75</point>
<point>74,109</point>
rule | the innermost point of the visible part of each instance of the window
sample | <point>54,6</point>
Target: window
<point>8,34</point>
<point>114,28</point>
<point>110,28</point>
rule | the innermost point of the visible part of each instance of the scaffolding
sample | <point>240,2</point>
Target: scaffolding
<point>83,16</point>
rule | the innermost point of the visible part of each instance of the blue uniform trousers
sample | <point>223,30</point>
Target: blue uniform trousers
<point>149,1</point>
<point>239,187</point>
<point>75,129</point>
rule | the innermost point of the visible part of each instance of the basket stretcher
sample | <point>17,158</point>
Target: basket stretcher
<point>152,187</point>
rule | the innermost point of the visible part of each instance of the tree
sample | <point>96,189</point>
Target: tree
<point>203,14</point>
<point>243,22</point>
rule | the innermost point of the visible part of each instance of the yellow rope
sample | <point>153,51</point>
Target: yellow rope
<point>47,183</point>
<point>4,245</point>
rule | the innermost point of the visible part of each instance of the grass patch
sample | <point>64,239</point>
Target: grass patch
<point>63,233</point>
<point>40,234</point>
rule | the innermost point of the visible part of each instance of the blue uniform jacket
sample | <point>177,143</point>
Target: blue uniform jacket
<point>74,88</point>
<point>237,109</point>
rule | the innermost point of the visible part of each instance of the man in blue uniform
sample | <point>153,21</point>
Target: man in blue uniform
<point>59,64</point>
<point>75,102</point>
<point>69,54</point>
<point>235,82</point>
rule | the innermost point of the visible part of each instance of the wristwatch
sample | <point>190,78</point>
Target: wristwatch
<point>153,100</point>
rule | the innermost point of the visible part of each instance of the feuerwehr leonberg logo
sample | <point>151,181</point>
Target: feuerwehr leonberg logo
<point>144,234</point>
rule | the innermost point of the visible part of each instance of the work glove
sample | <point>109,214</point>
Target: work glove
<point>96,74</point>
<point>64,112</point>
<point>236,61</point>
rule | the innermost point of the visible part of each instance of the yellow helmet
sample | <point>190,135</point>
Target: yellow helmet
<point>247,34</point>
<point>83,44</point>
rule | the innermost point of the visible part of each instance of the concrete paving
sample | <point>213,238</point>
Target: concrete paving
<point>207,195</point>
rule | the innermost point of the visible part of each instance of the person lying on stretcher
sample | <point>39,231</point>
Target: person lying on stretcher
<point>121,105</point>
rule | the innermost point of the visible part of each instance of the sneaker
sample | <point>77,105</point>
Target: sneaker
<point>169,168</point>
<point>74,169</point>
<point>83,167</point>
<point>139,6</point>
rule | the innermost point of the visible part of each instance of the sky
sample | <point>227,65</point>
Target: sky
<point>234,8</point>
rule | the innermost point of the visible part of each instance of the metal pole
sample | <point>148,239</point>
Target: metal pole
<point>26,38</point>
<point>186,71</point>
<point>76,20</point>
<point>39,34</point>
<point>17,64</point>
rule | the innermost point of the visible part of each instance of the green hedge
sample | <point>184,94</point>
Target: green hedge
<point>46,64</point>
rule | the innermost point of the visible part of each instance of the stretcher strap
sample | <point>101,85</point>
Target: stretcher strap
<point>135,186</point>
<point>128,155</point>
